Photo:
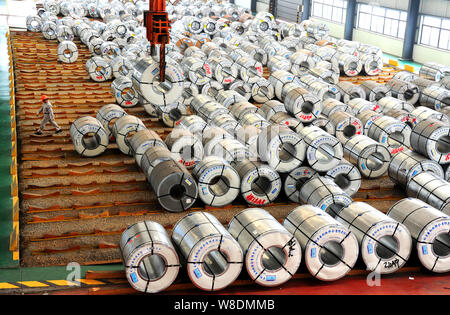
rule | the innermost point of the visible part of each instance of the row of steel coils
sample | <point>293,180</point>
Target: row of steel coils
<point>328,246</point>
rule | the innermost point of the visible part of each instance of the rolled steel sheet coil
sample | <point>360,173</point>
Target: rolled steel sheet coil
<point>146,82</point>
<point>391,103</point>
<point>193,25</point>
<point>253,119</point>
<point>212,256</point>
<point>385,243</point>
<point>272,254</point>
<point>392,133</point>
<point>64,33</point>
<point>284,119</point>
<point>330,106</point>
<point>408,118</point>
<point>370,50</point>
<point>149,108</point>
<point>150,259</point>
<point>196,70</point>
<point>444,83</point>
<point>359,105</point>
<point>323,151</point>
<point>349,65</point>
<point>186,147</point>
<point>218,182</point>
<point>107,116</point>
<point>331,66</point>
<point>323,193</point>
<point>174,187</point>
<point>124,92</point>
<point>210,110</point>
<point>435,97</point>
<point>230,99</point>
<point>244,89</point>
<point>49,29</point>
<point>262,91</point>
<point>371,158</point>
<point>295,180</point>
<point>88,136</point>
<point>407,164</point>
<point>209,26</point>
<point>350,91</point>
<point>242,108</point>
<point>121,67</point>
<point>375,91</point>
<point>422,83</point>
<point>110,50</point>
<point>223,70</point>
<point>212,88</point>
<point>270,108</point>
<point>250,70</point>
<point>211,136</point>
<point>34,23</point>
<point>190,90</point>
<point>142,141</point>
<point>123,129</point>
<point>325,74</point>
<point>152,157</point>
<point>279,79</point>
<point>325,124</point>
<point>278,63</point>
<point>304,105</point>
<point>227,122</point>
<point>201,100</point>
<point>372,64</point>
<point>248,135</point>
<point>95,46</point>
<point>260,184</point>
<point>67,52</point>
<point>172,114</point>
<point>431,189</point>
<point>99,69</point>
<point>232,150</point>
<point>367,117</point>
<point>432,139</point>
<point>346,125</point>
<point>404,91</point>
<point>320,88</point>
<point>193,51</point>
<point>434,71</point>
<point>430,230</point>
<point>331,250</point>
<point>346,176</point>
<point>424,113</point>
<point>283,149</point>
<point>301,61</point>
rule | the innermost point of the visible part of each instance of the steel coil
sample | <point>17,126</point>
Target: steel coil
<point>260,184</point>
<point>433,71</point>
<point>320,88</point>
<point>248,135</point>
<point>431,189</point>
<point>124,129</point>
<point>430,230</point>
<point>232,150</point>
<point>64,33</point>
<point>295,180</point>
<point>375,91</point>
<point>391,103</point>
<point>325,74</point>
<point>392,133</point>
<point>350,91</point>
<point>34,23</point>
<point>408,118</point>
<point>323,193</point>
<point>270,108</point>
<point>404,91</point>
<point>218,182</point>
<point>212,256</point>
<point>385,243</point>
<point>331,250</point>
<point>371,158</point>
<point>152,157</point>
<point>240,109</point>
<point>123,90</point>
<point>407,164</point>
<point>227,122</point>
<point>223,70</point>
<point>253,119</point>
<point>49,29</point>
<point>346,176</point>
<point>279,79</point>
<point>432,139</point>
<point>211,136</point>
<point>212,88</point>
<point>67,52</point>
<point>249,69</point>
<point>187,148</point>
<point>196,70</point>
<point>172,114</point>
<point>425,113</point>
<point>330,106</point>
<point>150,259</point>
<point>174,187</point>
<point>230,99</point>
<point>435,97</point>
<point>107,116</point>
<point>262,91</point>
<point>144,140</point>
<point>346,125</point>
<point>301,61</point>
<point>273,255</point>
<point>88,136</point>
<point>244,89</point>
<point>284,119</point>
<point>99,69</point>
<point>350,65</point>
<point>325,124</point>
<point>278,62</point>
<point>304,105</point>
<point>281,148</point>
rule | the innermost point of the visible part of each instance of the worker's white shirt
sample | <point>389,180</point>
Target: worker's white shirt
<point>47,109</point>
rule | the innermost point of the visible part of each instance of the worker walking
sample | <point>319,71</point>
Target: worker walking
<point>49,117</point>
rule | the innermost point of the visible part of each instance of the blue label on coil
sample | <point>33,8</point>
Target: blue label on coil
<point>425,249</point>
<point>313,253</point>
<point>370,248</point>
<point>197,273</point>
<point>271,278</point>
<point>133,277</point>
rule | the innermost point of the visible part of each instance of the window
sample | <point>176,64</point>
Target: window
<point>333,10</point>
<point>435,32</point>
<point>382,20</point>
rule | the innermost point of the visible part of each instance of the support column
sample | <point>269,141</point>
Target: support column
<point>411,29</point>
<point>253,6</point>
<point>273,7</point>
<point>350,19</point>
<point>306,9</point>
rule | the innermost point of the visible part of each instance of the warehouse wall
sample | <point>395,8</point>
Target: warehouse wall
<point>243,3</point>
<point>423,54</point>
<point>336,29</point>
<point>287,10</point>
<point>388,44</point>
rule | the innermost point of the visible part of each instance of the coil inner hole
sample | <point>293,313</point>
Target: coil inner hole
<point>152,267</point>
<point>396,139</point>
<point>91,140</point>
<point>379,96</point>
<point>215,263</point>
<point>443,145</point>
<point>325,153</point>
<point>331,253</point>
<point>286,152</point>
<point>375,161</point>
<point>349,131</point>
<point>387,247</point>
<point>261,185</point>
<point>342,181</point>
<point>307,107</point>
<point>273,258</point>
<point>441,245</point>
<point>177,191</point>
<point>219,185</point>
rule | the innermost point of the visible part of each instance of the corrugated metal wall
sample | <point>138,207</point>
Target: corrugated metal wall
<point>435,7</point>
<point>287,9</point>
